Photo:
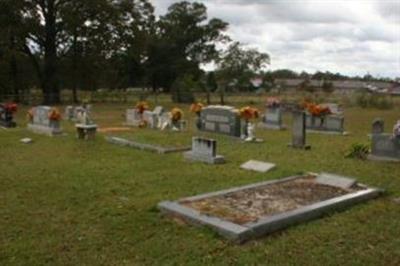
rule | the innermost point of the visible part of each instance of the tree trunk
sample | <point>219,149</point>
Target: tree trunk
<point>74,70</point>
<point>14,77</point>
<point>50,88</point>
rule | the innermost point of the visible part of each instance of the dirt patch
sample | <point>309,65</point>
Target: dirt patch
<point>248,205</point>
<point>114,129</point>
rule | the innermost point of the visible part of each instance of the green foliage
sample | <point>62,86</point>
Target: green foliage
<point>358,151</point>
<point>238,65</point>
<point>327,86</point>
<point>369,100</point>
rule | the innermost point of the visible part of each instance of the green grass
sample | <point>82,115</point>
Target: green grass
<point>70,202</point>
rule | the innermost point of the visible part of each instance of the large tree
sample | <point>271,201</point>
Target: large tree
<point>184,39</point>
<point>238,65</point>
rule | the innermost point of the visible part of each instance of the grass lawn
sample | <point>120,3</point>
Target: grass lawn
<point>70,202</point>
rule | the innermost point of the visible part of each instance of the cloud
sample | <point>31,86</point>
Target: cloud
<point>351,37</point>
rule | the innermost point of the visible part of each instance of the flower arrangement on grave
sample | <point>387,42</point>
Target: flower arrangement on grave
<point>176,114</point>
<point>11,107</point>
<point>29,115</point>
<point>196,108</point>
<point>54,114</point>
<point>273,102</point>
<point>142,106</point>
<point>248,114</point>
<point>316,109</point>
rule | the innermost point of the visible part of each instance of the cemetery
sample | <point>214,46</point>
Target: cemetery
<point>259,194</point>
<point>199,132</point>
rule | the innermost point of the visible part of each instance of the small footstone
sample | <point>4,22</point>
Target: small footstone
<point>26,140</point>
<point>396,200</point>
<point>335,180</point>
<point>257,166</point>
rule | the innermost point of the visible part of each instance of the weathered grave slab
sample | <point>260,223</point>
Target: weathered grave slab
<point>204,150</point>
<point>335,180</point>
<point>257,166</point>
<point>145,146</point>
<point>133,117</point>
<point>247,212</point>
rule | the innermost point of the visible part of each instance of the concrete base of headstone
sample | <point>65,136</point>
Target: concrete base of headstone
<point>86,132</point>
<point>219,159</point>
<point>49,131</point>
<point>271,126</point>
<point>145,146</point>
<point>382,158</point>
<point>267,224</point>
<point>339,133</point>
<point>257,166</point>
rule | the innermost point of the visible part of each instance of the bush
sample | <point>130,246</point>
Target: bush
<point>367,100</point>
<point>358,151</point>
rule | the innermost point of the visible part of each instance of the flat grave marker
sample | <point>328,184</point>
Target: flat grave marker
<point>251,211</point>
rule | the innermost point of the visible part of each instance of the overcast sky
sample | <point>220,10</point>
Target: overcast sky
<point>353,37</point>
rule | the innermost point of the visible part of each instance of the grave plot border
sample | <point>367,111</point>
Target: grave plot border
<point>267,224</point>
<point>145,146</point>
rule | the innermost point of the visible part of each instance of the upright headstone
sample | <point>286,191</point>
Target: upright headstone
<point>299,130</point>
<point>133,117</point>
<point>325,124</point>
<point>384,147</point>
<point>378,126</point>
<point>69,112</point>
<point>85,128</point>
<point>221,119</point>
<point>204,150</point>
<point>151,119</point>
<point>272,119</point>
<point>41,122</point>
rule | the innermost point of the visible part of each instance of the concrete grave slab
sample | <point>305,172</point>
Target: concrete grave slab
<point>145,146</point>
<point>252,205</point>
<point>335,180</point>
<point>257,166</point>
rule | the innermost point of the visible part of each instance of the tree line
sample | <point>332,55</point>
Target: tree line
<point>116,44</point>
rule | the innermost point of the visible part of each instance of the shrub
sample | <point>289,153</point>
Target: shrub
<point>358,151</point>
<point>367,100</point>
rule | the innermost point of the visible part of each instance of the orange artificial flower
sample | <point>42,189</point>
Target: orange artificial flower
<point>176,114</point>
<point>54,114</point>
<point>142,106</point>
<point>196,108</point>
<point>249,113</point>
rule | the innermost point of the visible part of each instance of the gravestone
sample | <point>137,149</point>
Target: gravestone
<point>42,124</point>
<point>272,119</point>
<point>133,117</point>
<point>204,150</point>
<point>378,126</point>
<point>325,124</point>
<point>221,119</point>
<point>299,130</point>
<point>257,166</point>
<point>335,180</point>
<point>151,119</point>
<point>69,112</point>
<point>85,128</point>
<point>159,110</point>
